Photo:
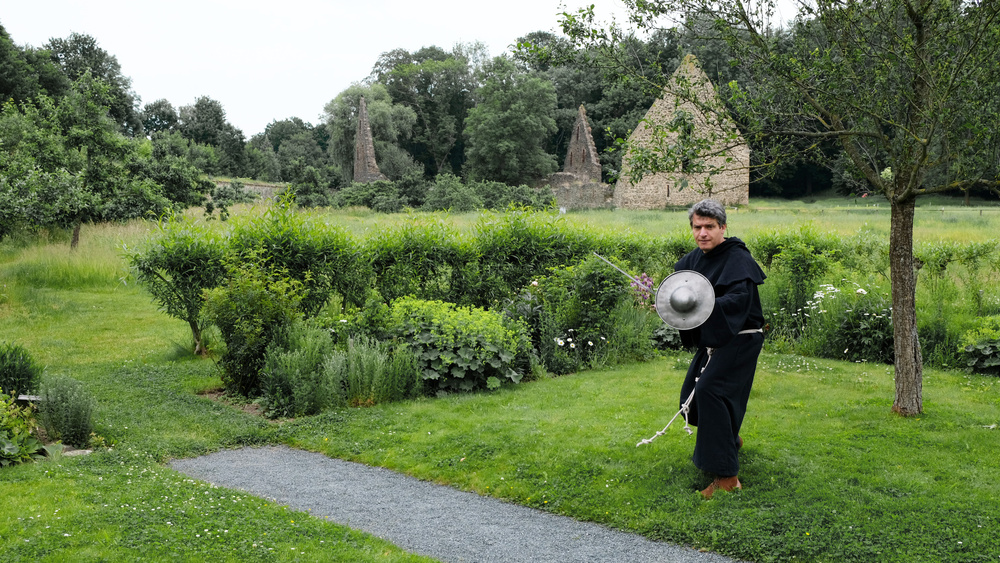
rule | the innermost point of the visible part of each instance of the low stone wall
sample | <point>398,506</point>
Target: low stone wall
<point>264,191</point>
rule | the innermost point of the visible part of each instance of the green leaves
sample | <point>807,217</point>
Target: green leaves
<point>461,349</point>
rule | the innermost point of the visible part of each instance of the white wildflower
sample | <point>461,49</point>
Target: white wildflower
<point>861,291</point>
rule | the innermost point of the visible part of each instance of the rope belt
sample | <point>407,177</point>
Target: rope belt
<point>686,407</point>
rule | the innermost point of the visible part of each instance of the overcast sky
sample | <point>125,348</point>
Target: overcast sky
<point>276,59</point>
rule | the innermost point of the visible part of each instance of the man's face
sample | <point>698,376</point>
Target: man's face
<point>707,232</point>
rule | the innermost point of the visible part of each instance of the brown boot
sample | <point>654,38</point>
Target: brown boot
<point>728,484</point>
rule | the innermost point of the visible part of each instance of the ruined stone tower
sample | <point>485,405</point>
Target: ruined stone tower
<point>579,185</point>
<point>581,158</point>
<point>723,172</point>
<point>365,168</point>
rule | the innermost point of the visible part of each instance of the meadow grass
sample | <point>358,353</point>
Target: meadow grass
<point>829,473</point>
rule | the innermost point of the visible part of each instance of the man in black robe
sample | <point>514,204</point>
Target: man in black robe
<point>728,345</point>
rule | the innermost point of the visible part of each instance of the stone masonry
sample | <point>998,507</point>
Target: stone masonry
<point>579,184</point>
<point>730,153</point>
<point>365,168</point>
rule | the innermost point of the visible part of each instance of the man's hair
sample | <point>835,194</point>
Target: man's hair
<point>708,208</point>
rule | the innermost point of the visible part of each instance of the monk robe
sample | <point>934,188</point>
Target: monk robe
<point>723,388</point>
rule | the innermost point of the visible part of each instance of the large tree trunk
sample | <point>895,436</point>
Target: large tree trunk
<point>909,364</point>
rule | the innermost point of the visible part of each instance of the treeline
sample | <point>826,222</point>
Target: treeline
<point>77,145</point>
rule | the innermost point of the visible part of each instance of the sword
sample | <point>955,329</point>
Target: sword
<point>630,276</point>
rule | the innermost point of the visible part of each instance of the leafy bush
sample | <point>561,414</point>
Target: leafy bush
<point>372,372</point>
<point>324,259</point>
<point>17,445</point>
<point>461,349</point>
<point>500,196</point>
<point>794,279</point>
<point>176,267</point>
<point>428,261</point>
<point>517,246</point>
<point>449,193</point>
<point>256,304</point>
<point>293,381</point>
<point>412,189</point>
<point>575,312</point>
<point>224,196</point>
<point>382,196</point>
<point>311,189</point>
<point>854,325</point>
<point>19,373</point>
<point>66,411</point>
<point>981,347</point>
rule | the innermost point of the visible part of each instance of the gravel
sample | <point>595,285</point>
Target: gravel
<point>422,517</point>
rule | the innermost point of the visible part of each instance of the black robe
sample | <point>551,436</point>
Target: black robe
<point>723,388</point>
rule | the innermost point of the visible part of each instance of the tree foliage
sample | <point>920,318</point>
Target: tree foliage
<point>79,54</point>
<point>391,125</point>
<point>506,130</point>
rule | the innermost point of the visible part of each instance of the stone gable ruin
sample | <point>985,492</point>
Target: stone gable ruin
<point>579,184</point>
<point>728,154</point>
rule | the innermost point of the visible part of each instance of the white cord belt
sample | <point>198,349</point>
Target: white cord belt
<point>686,407</point>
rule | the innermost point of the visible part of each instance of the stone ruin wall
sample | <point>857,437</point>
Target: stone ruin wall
<point>663,189</point>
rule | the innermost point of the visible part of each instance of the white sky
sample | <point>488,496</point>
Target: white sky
<point>275,59</point>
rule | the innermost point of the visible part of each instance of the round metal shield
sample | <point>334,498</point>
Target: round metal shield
<point>685,299</point>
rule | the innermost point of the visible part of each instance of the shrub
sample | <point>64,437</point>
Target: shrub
<point>794,279</point>
<point>19,373</point>
<point>427,261</point>
<point>981,347</point>
<point>17,445</point>
<point>854,324</point>
<point>382,196</point>
<point>449,193</point>
<point>225,196</point>
<point>66,411</point>
<point>500,196</point>
<point>372,372</point>
<point>176,267</point>
<point>312,189</point>
<point>517,246</point>
<point>255,304</point>
<point>323,258</point>
<point>293,381</point>
<point>575,312</point>
<point>461,349</point>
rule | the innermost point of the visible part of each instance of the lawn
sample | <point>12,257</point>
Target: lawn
<point>829,473</point>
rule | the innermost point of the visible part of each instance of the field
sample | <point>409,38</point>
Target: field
<point>829,473</point>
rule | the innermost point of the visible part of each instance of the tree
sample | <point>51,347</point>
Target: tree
<point>159,116</point>
<point>17,81</point>
<point>437,86</point>
<point>906,87</point>
<point>392,125</point>
<point>204,122</point>
<point>506,130</point>
<point>79,54</point>
<point>177,267</point>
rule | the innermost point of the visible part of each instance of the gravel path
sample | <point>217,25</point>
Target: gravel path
<point>421,517</point>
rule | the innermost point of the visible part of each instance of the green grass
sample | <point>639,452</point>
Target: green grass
<point>829,473</point>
